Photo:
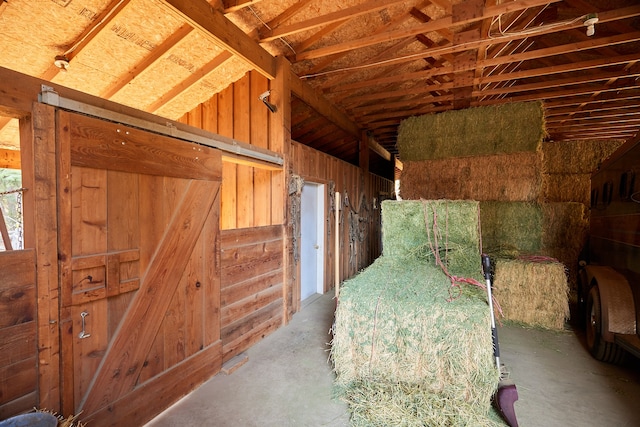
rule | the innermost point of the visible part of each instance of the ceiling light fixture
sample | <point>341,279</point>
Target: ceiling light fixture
<point>61,62</point>
<point>589,22</point>
<point>263,97</point>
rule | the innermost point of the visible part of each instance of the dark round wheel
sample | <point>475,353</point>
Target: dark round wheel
<point>581,304</point>
<point>599,348</point>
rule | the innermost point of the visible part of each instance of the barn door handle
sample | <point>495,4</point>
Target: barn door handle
<point>83,333</point>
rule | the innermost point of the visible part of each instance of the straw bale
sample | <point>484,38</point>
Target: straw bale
<point>398,336</point>
<point>508,128</point>
<point>504,177</point>
<point>565,225</point>
<point>514,227</point>
<point>451,229</point>
<point>533,293</point>
<point>569,187</point>
<point>577,157</point>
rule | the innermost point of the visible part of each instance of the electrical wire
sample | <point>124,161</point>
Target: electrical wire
<point>436,51</point>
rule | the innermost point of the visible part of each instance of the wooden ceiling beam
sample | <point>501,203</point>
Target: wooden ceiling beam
<point>88,35</point>
<point>402,18</point>
<point>330,18</point>
<point>553,83</point>
<point>435,25</point>
<point>288,13</point>
<point>534,54</point>
<point>537,54</point>
<point>231,6</point>
<point>609,61</point>
<point>595,135</point>
<point>216,27</point>
<point>326,109</point>
<point>611,116</point>
<point>617,104</point>
<point>567,93</point>
<point>602,121</point>
<point>193,78</point>
<point>155,55</point>
<point>416,89</point>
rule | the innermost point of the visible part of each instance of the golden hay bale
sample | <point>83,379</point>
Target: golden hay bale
<point>577,157</point>
<point>565,225</point>
<point>534,293</point>
<point>503,177</point>
<point>566,187</point>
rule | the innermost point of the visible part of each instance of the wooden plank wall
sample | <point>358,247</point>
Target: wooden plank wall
<point>352,182</point>
<point>250,196</point>
<point>18,349</point>
<point>251,286</point>
<point>253,211</point>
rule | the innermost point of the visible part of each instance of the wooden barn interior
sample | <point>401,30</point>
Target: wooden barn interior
<point>179,175</point>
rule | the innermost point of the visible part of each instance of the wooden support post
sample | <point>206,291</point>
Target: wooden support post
<point>336,256</point>
<point>280,142</point>
<point>41,166</point>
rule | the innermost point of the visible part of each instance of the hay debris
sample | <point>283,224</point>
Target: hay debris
<point>533,293</point>
<point>480,131</point>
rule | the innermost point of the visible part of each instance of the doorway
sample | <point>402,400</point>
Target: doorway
<point>311,240</point>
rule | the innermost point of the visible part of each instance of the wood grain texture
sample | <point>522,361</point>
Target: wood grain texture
<point>103,145</point>
<point>125,357</point>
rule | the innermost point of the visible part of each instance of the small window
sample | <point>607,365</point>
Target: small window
<point>623,185</point>
<point>607,193</point>
<point>594,197</point>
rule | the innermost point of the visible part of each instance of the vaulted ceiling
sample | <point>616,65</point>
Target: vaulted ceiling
<point>376,61</point>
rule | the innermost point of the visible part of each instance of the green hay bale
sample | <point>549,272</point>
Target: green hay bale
<point>409,405</point>
<point>480,131</point>
<point>533,293</point>
<point>396,324</point>
<point>511,226</point>
<point>408,232</point>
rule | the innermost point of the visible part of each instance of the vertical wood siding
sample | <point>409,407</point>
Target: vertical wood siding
<point>248,193</point>
<point>18,349</point>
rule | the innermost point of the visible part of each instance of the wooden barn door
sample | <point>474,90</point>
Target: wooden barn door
<point>138,224</point>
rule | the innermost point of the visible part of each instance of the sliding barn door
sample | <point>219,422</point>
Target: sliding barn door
<point>138,224</point>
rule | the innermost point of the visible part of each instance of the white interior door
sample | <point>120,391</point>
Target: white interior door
<point>312,240</point>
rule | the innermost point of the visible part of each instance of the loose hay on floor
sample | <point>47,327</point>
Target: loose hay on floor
<point>533,293</point>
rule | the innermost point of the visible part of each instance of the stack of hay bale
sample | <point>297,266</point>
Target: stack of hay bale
<point>532,195</point>
<point>408,348</point>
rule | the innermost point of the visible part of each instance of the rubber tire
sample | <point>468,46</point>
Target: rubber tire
<point>581,304</point>
<point>599,348</point>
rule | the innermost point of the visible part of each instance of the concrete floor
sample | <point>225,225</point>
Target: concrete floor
<point>287,381</point>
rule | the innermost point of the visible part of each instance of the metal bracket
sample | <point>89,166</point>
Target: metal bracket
<point>49,96</point>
